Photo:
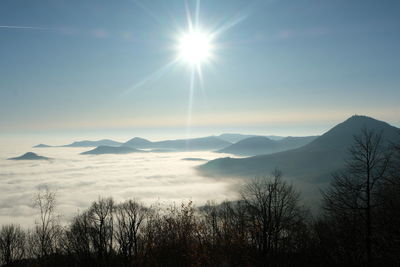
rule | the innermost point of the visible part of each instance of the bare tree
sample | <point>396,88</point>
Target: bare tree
<point>101,220</point>
<point>172,237</point>
<point>274,211</point>
<point>12,243</point>
<point>78,239</point>
<point>130,216</point>
<point>353,191</point>
<point>47,230</point>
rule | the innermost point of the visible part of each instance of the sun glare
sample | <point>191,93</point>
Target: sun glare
<point>195,47</point>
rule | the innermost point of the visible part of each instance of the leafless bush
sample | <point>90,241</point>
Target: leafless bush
<point>12,243</point>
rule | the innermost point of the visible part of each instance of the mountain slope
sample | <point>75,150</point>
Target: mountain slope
<point>261,145</point>
<point>313,162</point>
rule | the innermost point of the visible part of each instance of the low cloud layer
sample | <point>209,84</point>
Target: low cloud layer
<point>80,179</point>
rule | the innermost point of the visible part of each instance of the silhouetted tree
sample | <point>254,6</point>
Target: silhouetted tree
<point>387,230</point>
<point>78,240</point>
<point>130,217</point>
<point>352,198</point>
<point>101,230</point>
<point>47,232</point>
<point>12,244</point>
<point>275,215</point>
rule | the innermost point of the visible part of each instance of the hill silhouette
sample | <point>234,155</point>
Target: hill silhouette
<point>138,142</point>
<point>203,143</point>
<point>111,150</point>
<point>41,146</point>
<point>234,137</point>
<point>29,156</point>
<point>87,143</point>
<point>313,162</point>
<point>260,145</point>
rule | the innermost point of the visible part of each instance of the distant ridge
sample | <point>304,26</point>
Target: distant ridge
<point>138,142</point>
<point>260,145</point>
<point>29,156</point>
<point>192,144</point>
<point>252,146</point>
<point>111,150</point>
<point>41,146</point>
<point>87,143</point>
<point>234,137</point>
<point>313,162</point>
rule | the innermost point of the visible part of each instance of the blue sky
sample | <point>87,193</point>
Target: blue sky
<point>282,67</point>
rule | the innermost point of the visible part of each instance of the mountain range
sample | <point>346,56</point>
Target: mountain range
<point>309,167</point>
<point>313,162</point>
<point>86,143</point>
<point>203,143</point>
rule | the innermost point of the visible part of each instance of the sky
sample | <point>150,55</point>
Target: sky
<point>278,67</point>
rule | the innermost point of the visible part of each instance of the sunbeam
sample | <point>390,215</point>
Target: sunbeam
<point>190,103</point>
<point>151,77</point>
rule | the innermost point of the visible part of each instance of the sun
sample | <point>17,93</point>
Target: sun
<point>195,47</point>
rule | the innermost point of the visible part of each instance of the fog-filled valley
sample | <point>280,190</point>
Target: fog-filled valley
<point>81,179</point>
<point>118,194</point>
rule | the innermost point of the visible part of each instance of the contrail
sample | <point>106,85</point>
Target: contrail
<point>23,27</point>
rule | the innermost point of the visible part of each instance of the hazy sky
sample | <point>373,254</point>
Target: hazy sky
<point>104,65</point>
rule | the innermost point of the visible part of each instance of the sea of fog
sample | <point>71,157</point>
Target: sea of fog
<point>80,179</point>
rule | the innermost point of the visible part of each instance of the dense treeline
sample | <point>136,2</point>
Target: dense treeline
<point>358,225</point>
